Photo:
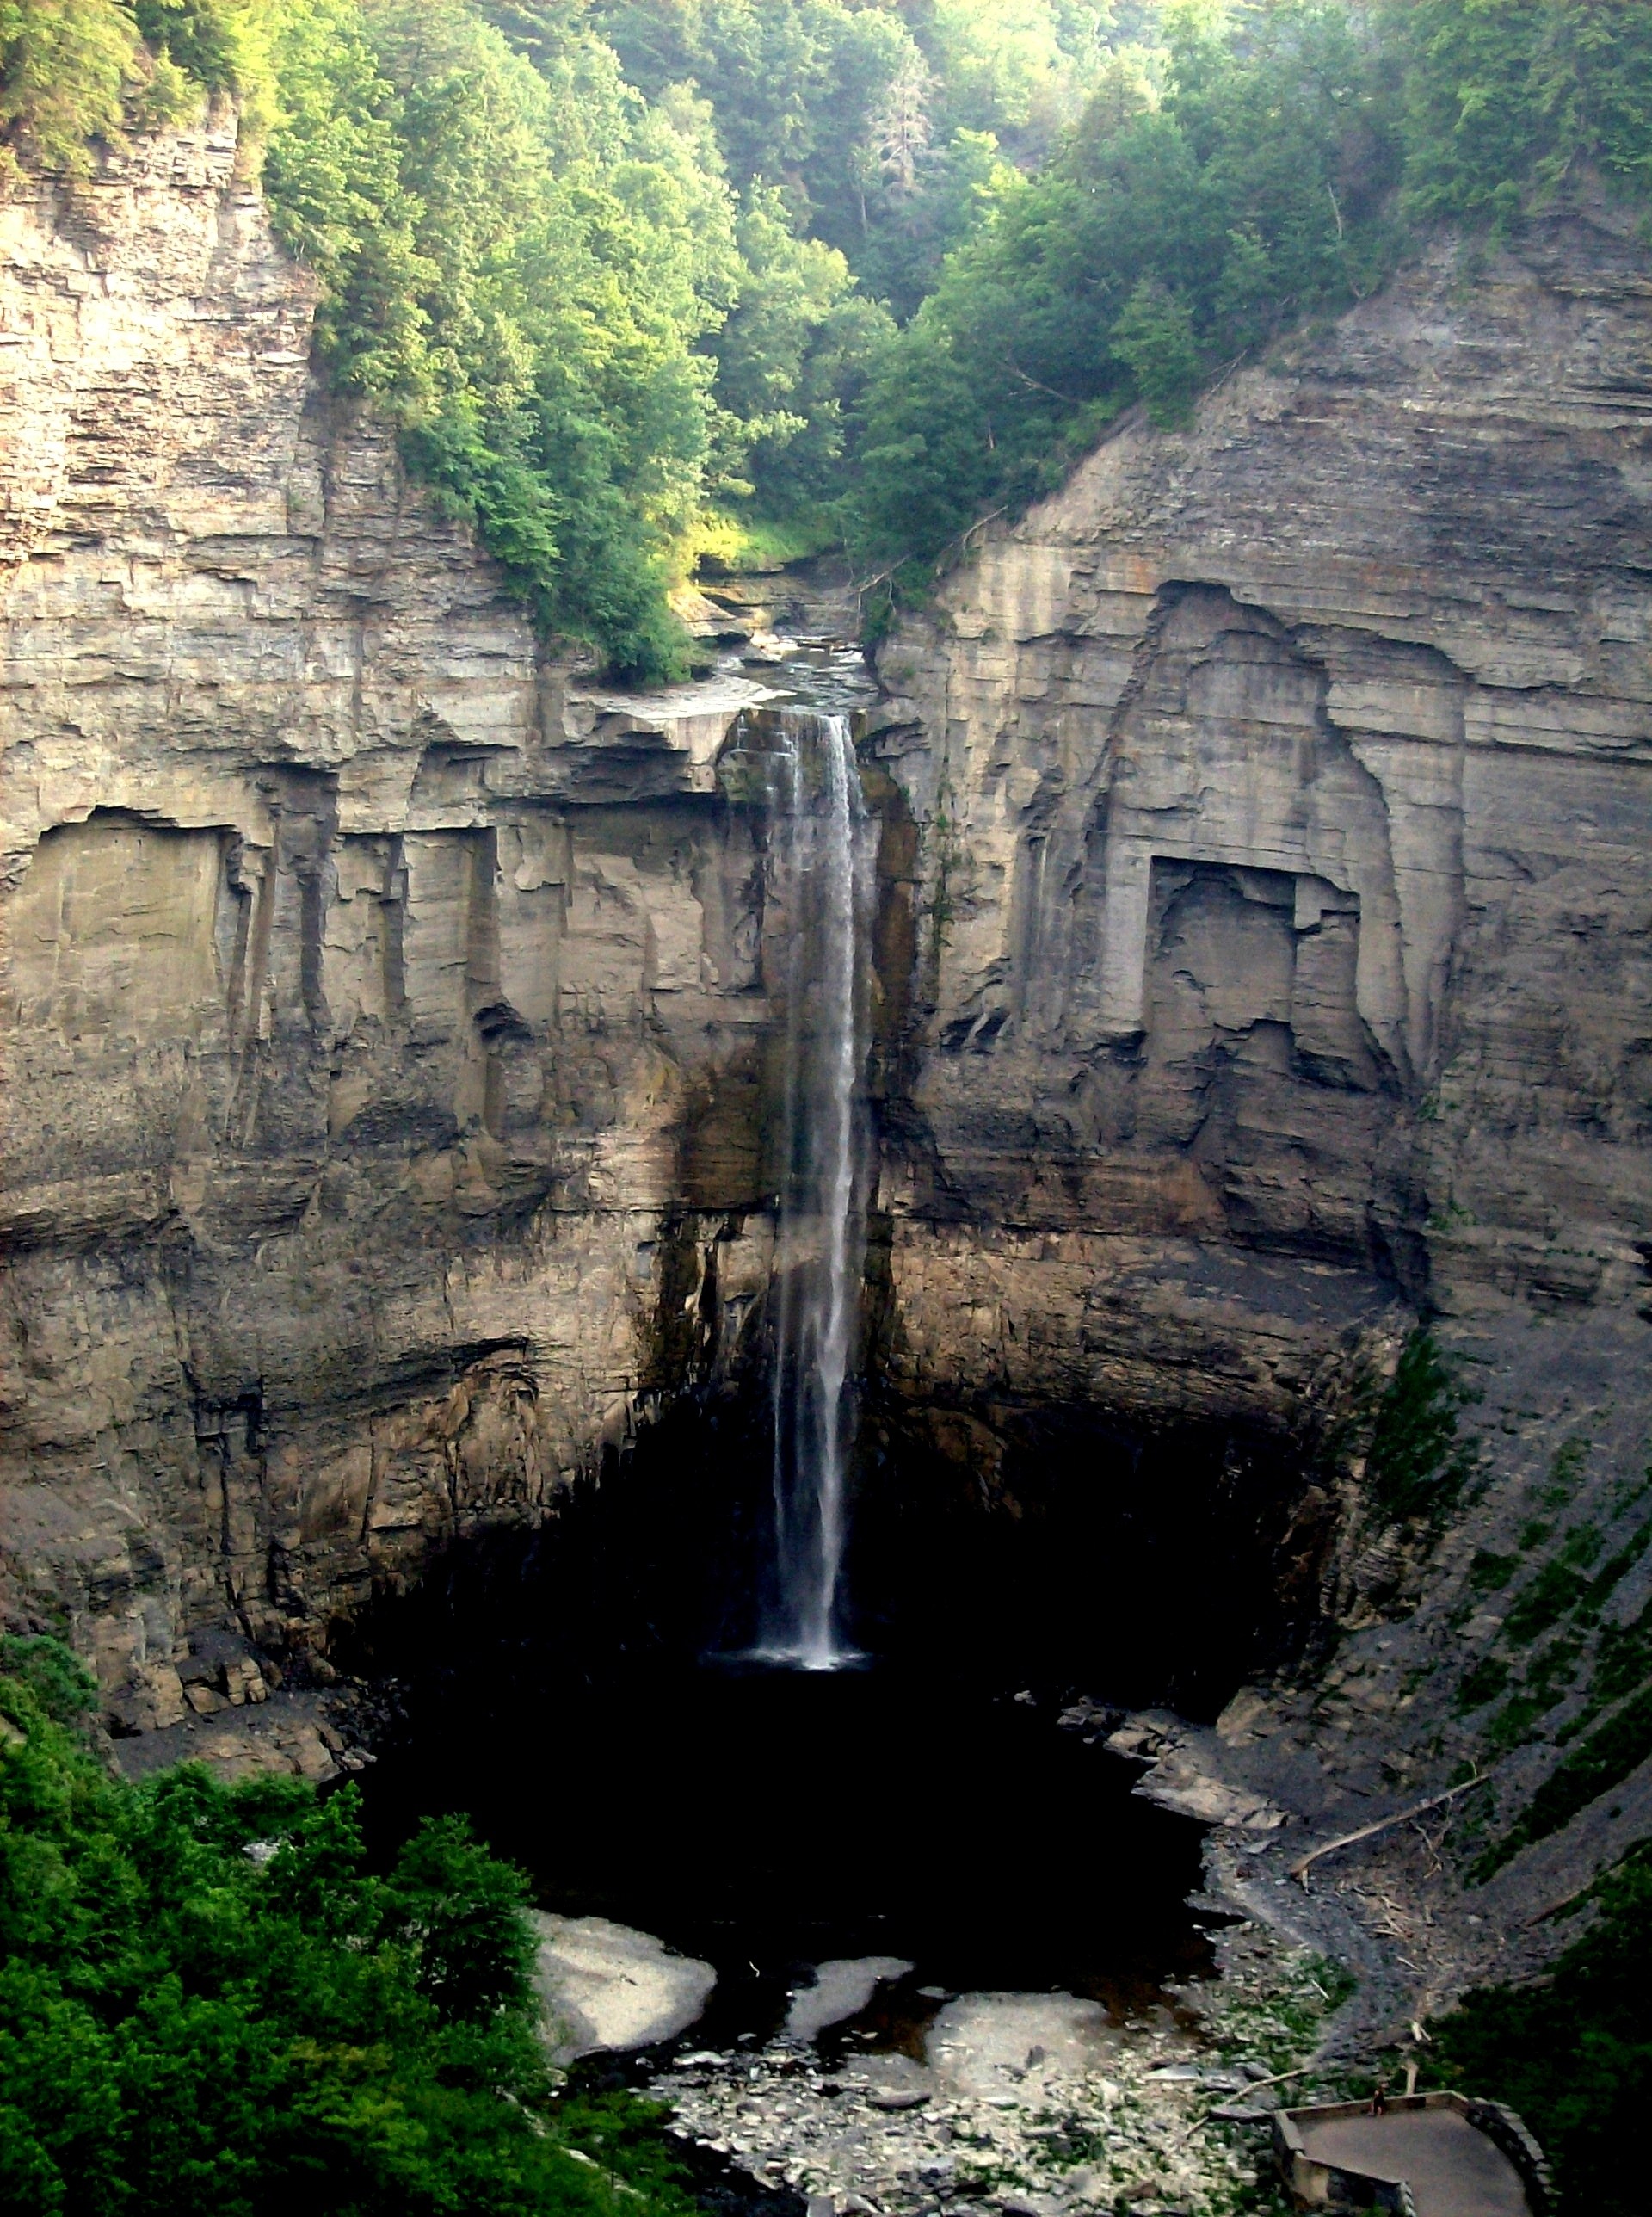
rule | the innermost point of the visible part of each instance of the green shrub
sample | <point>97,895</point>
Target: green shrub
<point>189,2031</point>
<point>1623,1658</point>
<point>66,67</point>
<point>1610,1752</point>
<point>1483,1683</point>
<point>46,1676</point>
<point>1489,1571</point>
<point>1417,1466</point>
<point>1556,1590</point>
<point>1574,2054</point>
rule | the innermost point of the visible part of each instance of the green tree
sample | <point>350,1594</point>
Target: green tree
<point>66,67</point>
<point>191,2029</point>
<point>1574,2054</point>
<point>1506,98</point>
<point>1154,339</point>
<point>1170,232</point>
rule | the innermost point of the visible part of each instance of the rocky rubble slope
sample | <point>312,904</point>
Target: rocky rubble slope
<point>1030,2104</point>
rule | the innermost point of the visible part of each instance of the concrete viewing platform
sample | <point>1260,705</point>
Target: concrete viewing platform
<point>1428,2155</point>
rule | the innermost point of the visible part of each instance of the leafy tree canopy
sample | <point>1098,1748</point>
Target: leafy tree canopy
<point>1247,164</point>
<point>211,2007</point>
<point>609,263</point>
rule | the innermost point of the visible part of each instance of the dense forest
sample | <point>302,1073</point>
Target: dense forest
<point>641,280</point>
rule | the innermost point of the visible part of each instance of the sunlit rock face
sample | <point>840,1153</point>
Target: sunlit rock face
<point>383,1011</point>
<point>1285,797</point>
<point>389,1010</point>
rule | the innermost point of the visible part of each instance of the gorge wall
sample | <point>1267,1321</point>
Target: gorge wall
<point>1285,788</point>
<point>1285,791</point>
<point>383,1013</point>
<point>387,1009</point>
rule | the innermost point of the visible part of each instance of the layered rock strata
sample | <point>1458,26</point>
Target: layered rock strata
<point>384,1008</point>
<point>386,1004</point>
<point>1285,794</point>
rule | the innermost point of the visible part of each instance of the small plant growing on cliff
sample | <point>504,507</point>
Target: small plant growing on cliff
<point>1417,1466</point>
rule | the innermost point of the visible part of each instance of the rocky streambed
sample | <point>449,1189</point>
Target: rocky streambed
<point>1024,2104</point>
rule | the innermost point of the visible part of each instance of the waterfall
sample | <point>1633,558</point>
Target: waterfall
<point>822,856</point>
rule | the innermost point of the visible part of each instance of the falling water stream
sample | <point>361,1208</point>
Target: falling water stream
<point>821,869</point>
<point>773,1817</point>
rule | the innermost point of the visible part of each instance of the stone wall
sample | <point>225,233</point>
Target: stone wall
<point>383,1003</point>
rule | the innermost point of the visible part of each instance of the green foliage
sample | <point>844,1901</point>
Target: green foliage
<point>909,258</point>
<point>1556,1588</point>
<point>1623,1659</point>
<point>66,69</point>
<point>1565,1473</point>
<point>187,2028</point>
<point>56,1683</point>
<point>789,357</point>
<point>1154,339</point>
<point>1506,97</point>
<point>1241,181</point>
<point>1483,1683</point>
<point>517,264</point>
<point>880,121</point>
<point>220,45</point>
<point>463,1912</point>
<point>1168,234</point>
<point>1609,1753</point>
<point>1417,1466</point>
<point>1616,1567</point>
<point>1573,2055</point>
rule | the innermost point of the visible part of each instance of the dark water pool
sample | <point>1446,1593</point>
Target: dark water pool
<point>766,1820</point>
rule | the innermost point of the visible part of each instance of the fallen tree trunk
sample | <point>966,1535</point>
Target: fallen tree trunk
<point>1299,1868</point>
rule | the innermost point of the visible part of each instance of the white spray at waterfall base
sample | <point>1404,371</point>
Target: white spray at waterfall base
<point>821,858</point>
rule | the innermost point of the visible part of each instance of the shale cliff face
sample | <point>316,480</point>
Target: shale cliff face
<point>382,1013</point>
<point>1285,788</point>
<point>1285,794</point>
<point>386,1008</point>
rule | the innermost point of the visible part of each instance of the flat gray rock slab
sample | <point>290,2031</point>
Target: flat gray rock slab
<point>843,1988</point>
<point>1018,2047</point>
<point>606,1988</point>
<point>1452,2170</point>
